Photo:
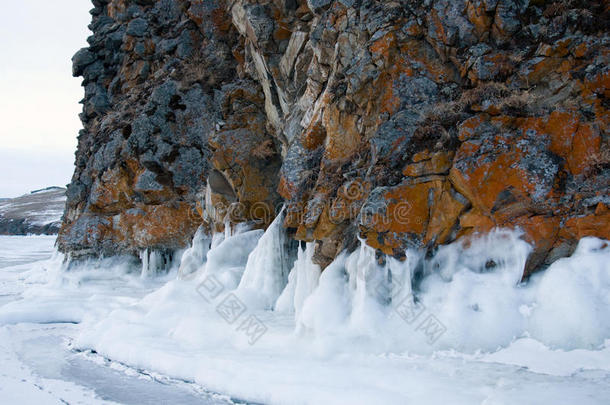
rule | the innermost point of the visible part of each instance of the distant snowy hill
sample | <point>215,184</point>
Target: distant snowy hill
<point>36,213</point>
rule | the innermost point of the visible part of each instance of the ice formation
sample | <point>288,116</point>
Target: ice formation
<point>452,323</point>
<point>266,272</point>
<point>467,296</point>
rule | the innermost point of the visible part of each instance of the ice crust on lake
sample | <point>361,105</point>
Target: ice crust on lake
<point>458,325</point>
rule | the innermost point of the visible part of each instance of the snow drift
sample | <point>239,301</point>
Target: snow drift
<point>239,314</point>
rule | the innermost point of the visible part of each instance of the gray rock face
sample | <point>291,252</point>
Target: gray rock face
<point>153,75</point>
<point>137,27</point>
<point>358,102</point>
<point>81,60</point>
<point>147,181</point>
<point>318,5</point>
<point>147,114</point>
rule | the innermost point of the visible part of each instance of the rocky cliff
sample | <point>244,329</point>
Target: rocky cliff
<point>404,123</point>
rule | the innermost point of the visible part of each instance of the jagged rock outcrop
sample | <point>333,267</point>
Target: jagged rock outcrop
<point>163,106</point>
<point>407,123</point>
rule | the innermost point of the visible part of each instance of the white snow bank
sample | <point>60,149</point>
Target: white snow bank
<point>36,247</point>
<point>572,299</point>
<point>227,261</point>
<point>88,291</point>
<point>359,333</point>
<point>194,257</point>
<point>468,297</point>
<point>539,358</point>
<point>367,330</point>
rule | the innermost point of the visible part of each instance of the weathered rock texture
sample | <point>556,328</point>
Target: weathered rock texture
<point>163,106</point>
<point>408,123</point>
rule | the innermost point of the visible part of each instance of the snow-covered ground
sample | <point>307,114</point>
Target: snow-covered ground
<point>241,319</point>
<point>41,313</point>
<point>38,212</point>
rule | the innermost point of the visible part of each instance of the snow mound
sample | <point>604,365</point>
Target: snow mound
<point>365,330</point>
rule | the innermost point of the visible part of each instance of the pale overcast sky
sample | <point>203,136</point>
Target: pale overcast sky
<point>38,95</point>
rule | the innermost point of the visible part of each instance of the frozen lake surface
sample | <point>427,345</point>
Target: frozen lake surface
<point>105,333</point>
<point>39,364</point>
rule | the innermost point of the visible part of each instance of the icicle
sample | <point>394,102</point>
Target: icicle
<point>145,258</point>
<point>401,276</point>
<point>501,251</point>
<point>227,228</point>
<point>368,281</point>
<point>266,272</point>
<point>217,239</point>
<point>154,262</point>
<point>285,302</point>
<point>194,257</point>
<point>308,275</point>
<point>302,281</point>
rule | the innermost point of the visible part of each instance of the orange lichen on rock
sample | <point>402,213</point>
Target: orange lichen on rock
<point>158,225</point>
<point>422,55</point>
<point>586,143</point>
<point>475,221</point>
<point>343,138</point>
<point>384,44</point>
<point>572,140</point>
<point>588,225</point>
<point>439,162</point>
<point>540,232</point>
<point>540,70</point>
<point>404,209</point>
<point>115,7</point>
<point>326,224</point>
<point>467,128</point>
<point>113,191</point>
<point>478,16</point>
<point>411,126</point>
<point>561,126</point>
<point>315,135</point>
<point>483,184</point>
<point>445,212</point>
